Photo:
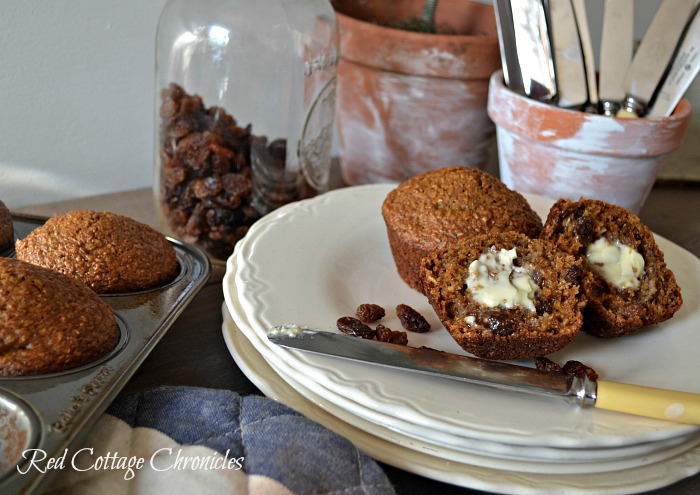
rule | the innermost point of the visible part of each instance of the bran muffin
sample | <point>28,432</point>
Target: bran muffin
<point>506,296</point>
<point>49,322</point>
<point>440,208</point>
<point>108,252</point>
<point>7,231</point>
<point>628,285</point>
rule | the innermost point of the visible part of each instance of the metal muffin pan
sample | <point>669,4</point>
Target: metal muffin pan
<point>50,412</point>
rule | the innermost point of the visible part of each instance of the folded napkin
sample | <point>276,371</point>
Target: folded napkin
<point>206,441</point>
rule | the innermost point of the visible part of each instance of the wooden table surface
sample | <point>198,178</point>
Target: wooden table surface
<point>193,351</point>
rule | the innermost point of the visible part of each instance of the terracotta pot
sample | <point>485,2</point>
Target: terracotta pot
<point>559,153</point>
<point>409,102</point>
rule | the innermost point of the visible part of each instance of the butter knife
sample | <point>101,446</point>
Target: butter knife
<point>616,44</point>
<point>569,65</point>
<point>584,33</point>
<point>684,69</point>
<point>506,39</point>
<point>682,407</point>
<point>654,55</point>
<point>533,49</point>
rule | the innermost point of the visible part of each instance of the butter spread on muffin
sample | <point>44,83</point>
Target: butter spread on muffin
<point>505,295</point>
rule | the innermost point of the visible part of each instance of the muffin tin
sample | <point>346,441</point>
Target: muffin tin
<point>50,412</point>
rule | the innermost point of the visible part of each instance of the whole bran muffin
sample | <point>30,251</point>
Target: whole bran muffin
<point>7,231</point>
<point>49,322</point>
<point>110,253</point>
<point>443,207</point>
<point>613,309</point>
<point>471,287</point>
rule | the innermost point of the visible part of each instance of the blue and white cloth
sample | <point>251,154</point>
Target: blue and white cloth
<point>196,440</point>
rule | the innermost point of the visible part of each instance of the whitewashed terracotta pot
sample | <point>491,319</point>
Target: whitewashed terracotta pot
<point>559,153</point>
<point>409,102</point>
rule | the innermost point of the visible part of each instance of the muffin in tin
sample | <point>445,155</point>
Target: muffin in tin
<point>49,322</point>
<point>108,252</point>
<point>443,207</point>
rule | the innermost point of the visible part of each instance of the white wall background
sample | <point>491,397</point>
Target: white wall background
<point>77,97</point>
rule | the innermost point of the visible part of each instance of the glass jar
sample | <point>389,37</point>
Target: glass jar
<point>245,93</point>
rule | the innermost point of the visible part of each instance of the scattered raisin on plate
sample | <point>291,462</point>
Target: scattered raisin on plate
<point>411,319</point>
<point>571,367</point>
<point>368,312</point>
<point>385,334</point>
<point>353,326</point>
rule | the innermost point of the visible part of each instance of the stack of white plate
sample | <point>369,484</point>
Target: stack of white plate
<point>314,261</point>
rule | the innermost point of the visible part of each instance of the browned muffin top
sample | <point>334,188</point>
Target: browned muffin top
<point>452,203</point>
<point>110,253</point>
<point>6,228</point>
<point>49,322</point>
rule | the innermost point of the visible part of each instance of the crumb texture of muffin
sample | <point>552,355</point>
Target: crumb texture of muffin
<point>108,252</point>
<point>49,322</point>
<point>627,283</point>
<point>443,207</point>
<point>7,231</point>
<point>506,296</point>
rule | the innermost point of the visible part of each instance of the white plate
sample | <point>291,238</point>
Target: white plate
<point>313,261</point>
<point>385,446</point>
<point>472,451</point>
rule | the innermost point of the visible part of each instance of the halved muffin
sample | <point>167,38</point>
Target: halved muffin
<point>505,295</point>
<point>628,285</point>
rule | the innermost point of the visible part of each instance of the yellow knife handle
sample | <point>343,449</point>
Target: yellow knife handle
<point>681,407</point>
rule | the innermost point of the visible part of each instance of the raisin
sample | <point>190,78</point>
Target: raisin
<point>353,326</point>
<point>411,319</point>
<point>571,367</point>
<point>368,313</point>
<point>397,337</point>
<point>583,229</point>
<point>546,364</point>
<point>573,274</point>
<point>579,369</point>
<point>205,172</point>
<point>500,325</point>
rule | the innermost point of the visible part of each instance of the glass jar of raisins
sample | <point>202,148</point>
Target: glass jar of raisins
<point>245,95</point>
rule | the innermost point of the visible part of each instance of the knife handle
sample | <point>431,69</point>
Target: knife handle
<point>681,407</point>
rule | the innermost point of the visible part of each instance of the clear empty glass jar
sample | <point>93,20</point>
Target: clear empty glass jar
<point>245,93</point>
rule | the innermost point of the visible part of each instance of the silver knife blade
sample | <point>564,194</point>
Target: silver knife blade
<point>438,363</point>
<point>533,49</point>
<point>506,38</point>
<point>616,44</point>
<point>684,69</point>
<point>569,66</point>
<point>654,55</point>
<point>663,404</point>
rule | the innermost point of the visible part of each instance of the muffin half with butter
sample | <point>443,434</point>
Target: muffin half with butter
<point>628,287</point>
<point>506,296</point>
